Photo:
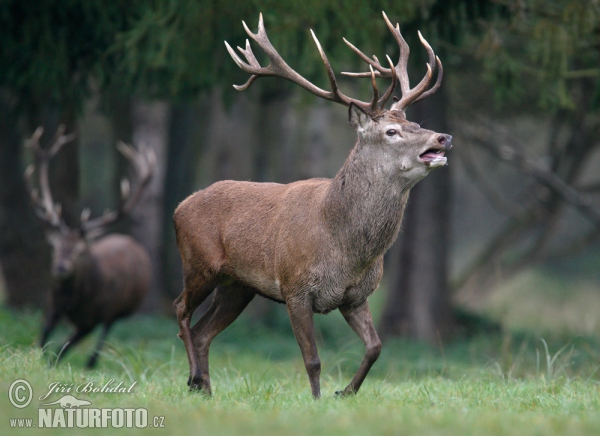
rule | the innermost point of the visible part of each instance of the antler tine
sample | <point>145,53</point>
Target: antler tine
<point>430,54</point>
<point>279,68</point>
<point>402,65</point>
<point>60,139</point>
<point>143,162</point>
<point>386,96</point>
<point>251,61</point>
<point>409,96</point>
<point>438,82</point>
<point>372,62</point>
<point>39,205</point>
<point>337,95</point>
<point>375,99</point>
<point>46,209</point>
<point>34,141</point>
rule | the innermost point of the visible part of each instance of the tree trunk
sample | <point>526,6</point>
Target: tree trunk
<point>318,125</point>
<point>150,127</point>
<point>24,253</point>
<point>183,153</point>
<point>418,303</point>
<point>272,154</point>
<point>122,130</point>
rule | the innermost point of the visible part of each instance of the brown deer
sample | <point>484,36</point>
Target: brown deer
<point>315,245</point>
<point>99,279</point>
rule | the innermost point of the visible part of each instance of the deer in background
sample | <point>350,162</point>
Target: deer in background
<point>315,245</point>
<point>99,279</point>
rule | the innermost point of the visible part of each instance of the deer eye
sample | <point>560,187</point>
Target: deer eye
<point>391,132</point>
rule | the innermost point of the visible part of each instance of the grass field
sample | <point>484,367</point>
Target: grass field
<point>499,384</point>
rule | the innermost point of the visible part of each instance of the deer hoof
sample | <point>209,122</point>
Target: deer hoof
<point>197,385</point>
<point>344,393</point>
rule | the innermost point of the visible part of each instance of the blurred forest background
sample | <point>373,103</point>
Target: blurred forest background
<point>511,228</point>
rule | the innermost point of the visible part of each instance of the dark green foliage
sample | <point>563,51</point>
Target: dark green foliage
<point>174,48</point>
<point>541,49</point>
<point>50,49</point>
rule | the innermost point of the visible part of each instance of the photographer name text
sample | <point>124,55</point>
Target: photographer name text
<point>91,387</point>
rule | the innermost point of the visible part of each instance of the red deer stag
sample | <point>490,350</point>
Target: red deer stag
<point>315,245</point>
<point>98,280</point>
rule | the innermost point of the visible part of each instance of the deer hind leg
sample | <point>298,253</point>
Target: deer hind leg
<point>93,360</point>
<point>361,321</point>
<point>194,293</point>
<point>228,303</point>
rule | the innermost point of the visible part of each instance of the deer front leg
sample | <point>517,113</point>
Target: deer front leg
<point>49,325</point>
<point>73,340</point>
<point>361,321</point>
<point>301,318</point>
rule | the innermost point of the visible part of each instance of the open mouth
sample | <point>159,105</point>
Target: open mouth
<point>433,157</point>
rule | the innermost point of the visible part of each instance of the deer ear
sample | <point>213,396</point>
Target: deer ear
<point>358,118</point>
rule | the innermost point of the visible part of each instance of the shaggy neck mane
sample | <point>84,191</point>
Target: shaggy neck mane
<point>364,205</point>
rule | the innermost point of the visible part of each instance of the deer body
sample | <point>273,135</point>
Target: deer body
<point>98,279</point>
<point>105,281</point>
<point>108,281</point>
<point>258,246</point>
<point>264,234</point>
<point>316,245</point>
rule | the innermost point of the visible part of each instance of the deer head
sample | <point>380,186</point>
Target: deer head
<point>412,150</point>
<point>69,243</point>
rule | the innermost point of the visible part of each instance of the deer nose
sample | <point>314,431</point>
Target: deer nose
<point>445,140</point>
<point>60,270</point>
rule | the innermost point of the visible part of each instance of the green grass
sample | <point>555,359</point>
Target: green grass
<point>494,385</point>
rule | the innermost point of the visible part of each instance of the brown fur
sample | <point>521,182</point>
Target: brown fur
<point>316,245</point>
<point>97,284</point>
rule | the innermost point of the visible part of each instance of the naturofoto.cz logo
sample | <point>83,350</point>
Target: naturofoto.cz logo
<point>68,411</point>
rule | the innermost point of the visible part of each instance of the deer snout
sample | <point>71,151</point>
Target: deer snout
<point>445,140</point>
<point>60,270</point>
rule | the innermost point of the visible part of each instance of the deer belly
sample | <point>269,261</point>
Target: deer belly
<point>325,300</point>
<point>266,286</point>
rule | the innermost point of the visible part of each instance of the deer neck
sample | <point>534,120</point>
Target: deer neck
<point>365,202</point>
<point>86,268</point>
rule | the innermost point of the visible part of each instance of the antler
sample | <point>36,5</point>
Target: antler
<point>45,207</point>
<point>409,96</point>
<point>143,162</point>
<point>279,68</point>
